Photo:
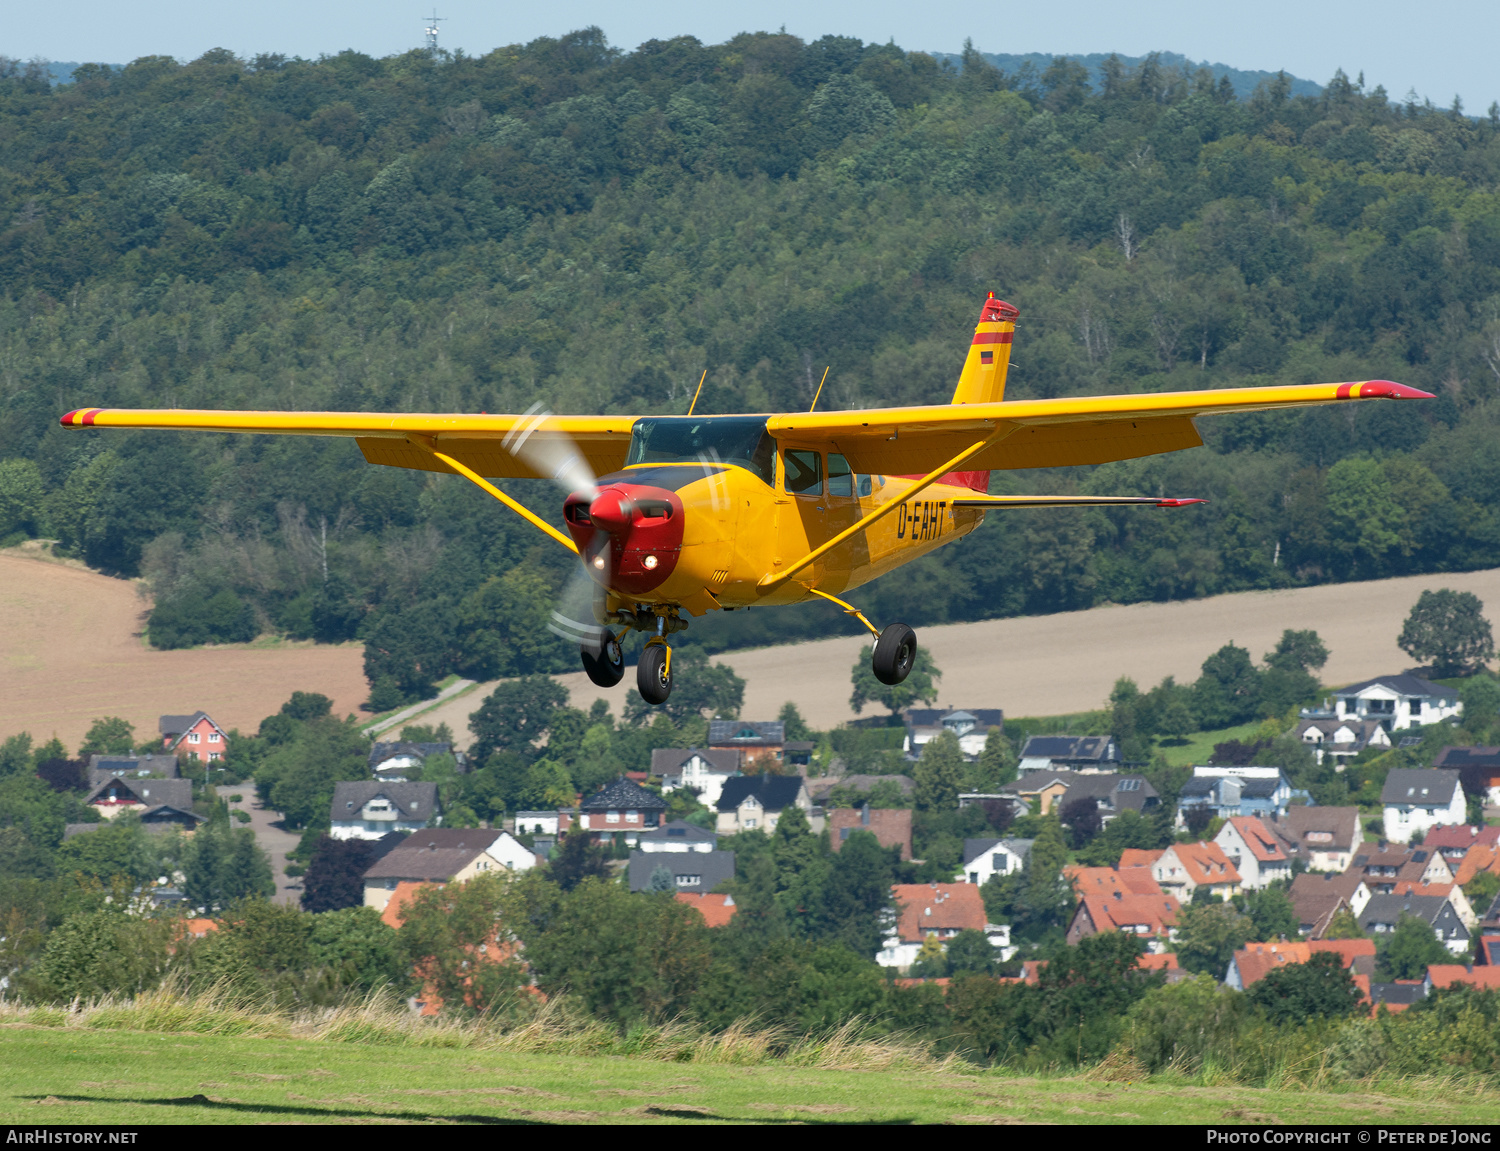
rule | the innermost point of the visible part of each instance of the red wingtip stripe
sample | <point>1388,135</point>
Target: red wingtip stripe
<point>1390,390</point>
<point>88,416</point>
<point>1178,503</point>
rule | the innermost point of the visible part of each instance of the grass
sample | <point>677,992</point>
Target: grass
<point>162,1059</point>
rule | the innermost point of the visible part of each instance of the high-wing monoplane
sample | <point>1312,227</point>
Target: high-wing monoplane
<point>676,516</point>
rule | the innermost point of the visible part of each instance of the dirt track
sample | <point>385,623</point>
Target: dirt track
<point>1050,665</point>
<point>70,652</point>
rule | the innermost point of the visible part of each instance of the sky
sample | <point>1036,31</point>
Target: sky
<point>1439,50</point>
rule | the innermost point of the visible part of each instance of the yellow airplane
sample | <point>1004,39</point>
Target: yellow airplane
<point>702,513</point>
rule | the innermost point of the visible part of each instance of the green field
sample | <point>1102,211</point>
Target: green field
<point>76,1075</point>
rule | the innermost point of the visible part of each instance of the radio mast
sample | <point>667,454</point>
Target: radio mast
<point>431,29</point>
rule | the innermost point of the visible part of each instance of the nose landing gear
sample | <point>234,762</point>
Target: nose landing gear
<point>605,667</point>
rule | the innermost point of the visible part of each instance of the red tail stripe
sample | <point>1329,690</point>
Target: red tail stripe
<point>993,337</point>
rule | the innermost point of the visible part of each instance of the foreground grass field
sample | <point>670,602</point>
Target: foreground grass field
<point>74,1075</point>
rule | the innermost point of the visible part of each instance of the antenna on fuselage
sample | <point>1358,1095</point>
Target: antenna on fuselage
<point>699,392</point>
<point>819,392</point>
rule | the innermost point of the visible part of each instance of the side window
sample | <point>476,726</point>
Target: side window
<point>865,486</point>
<point>803,473</point>
<point>840,480</point>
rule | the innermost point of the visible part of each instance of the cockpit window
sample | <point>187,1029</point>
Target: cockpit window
<point>741,440</point>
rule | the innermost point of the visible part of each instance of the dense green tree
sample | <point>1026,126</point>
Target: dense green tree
<point>1228,691</point>
<point>792,722</point>
<point>1208,935</point>
<point>578,859</point>
<point>1272,914</point>
<point>939,774</point>
<point>1406,952</point>
<point>1321,987</point>
<point>1343,925</point>
<point>450,940</point>
<point>857,895</point>
<point>515,716</point>
<point>970,953</point>
<point>225,865</point>
<point>121,848</point>
<point>98,953</point>
<point>917,687</point>
<point>996,766</point>
<point>110,736</point>
<point>1448,630</point>
<point>335,874</point>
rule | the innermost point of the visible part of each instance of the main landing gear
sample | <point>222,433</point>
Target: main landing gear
<point>895,648</point>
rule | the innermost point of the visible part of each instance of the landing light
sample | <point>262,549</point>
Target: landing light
<point>650,562</point>
<point>599,562</point>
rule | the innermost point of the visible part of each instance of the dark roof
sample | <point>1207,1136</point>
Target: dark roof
<point>1419,786</point>
<point>1390,909</point>
<point>381,752</point>
<point>1404,684</point>
<point>744,733</point>
<point>435,854</point>
<point>859,783</point>
<point>1294,825</point>
<point>102,767</point>
<point>1407,993</point>
<point>1461,757</point>
<point>1081,748</point>
<point>151,792</point>
<point>774,792</point>
<point>177,724</point>
<point>712,868</point>
<point>166,813</point>
<point>1199,785</point>
<point>680,831</point>
<point>411,800</point>
<point>1121,792</point>
<point>985,717</point>
<point>1259,788</point>
<point>623,795</point>
<point>974,848</point>
<point>666,760</point>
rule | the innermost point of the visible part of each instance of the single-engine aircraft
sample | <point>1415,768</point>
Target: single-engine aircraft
<point>674,514</point>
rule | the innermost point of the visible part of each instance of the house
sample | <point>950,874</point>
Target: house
<point>1102,881</point>
<point>1478,769</point>
<point>691,870</point>
<point>1264,792</point>
<point>542,822</point>
<point>701,770</point>
<point>1455,840</point>
<point>1317,897</point>
<point>195,736</point>
<point>114,794</point>
<point>678,837</point>
<point>984,858</point>
<point>1476,860</point>
<point>1452,892</point>
<point>1383,866</point>
<point>1147,915</point>
<point>1384,912</point>
<point>1419,799</point>
<point>755,803</point>
<point>102,767</point>
<point>1185,867</point>
<point>399,761</point>
<point>1083,753</point>
<point>1323,838</point>
<point>1443,976</point>
<point>1340,740</point>
<point>717,910</point>
<point>1255,851</point>
<point>1395,702</point>
<point>891,826</point>
<point>1255,961</point>
<point>1398,996</point>
<point>763,743</point>
<point>444,855</point>
<point>1140,857</point>
<point>1042,790</point>
<point>820,790</point>
<point>621,810</point>
<point>1112,793</point>
<point>971,726</point>
<point>370,808</point>
<point>936,909</point>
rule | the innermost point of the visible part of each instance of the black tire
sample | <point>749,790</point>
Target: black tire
<point>607,668</point>
<point>895,654</point>
<point>651,678</point>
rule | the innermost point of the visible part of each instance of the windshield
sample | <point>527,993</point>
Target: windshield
<point>741,440</point>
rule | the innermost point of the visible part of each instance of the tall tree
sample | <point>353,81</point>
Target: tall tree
<point>1447,629</point>
<point>939,774</point>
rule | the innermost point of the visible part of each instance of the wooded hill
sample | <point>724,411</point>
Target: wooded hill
<point>567,222</point>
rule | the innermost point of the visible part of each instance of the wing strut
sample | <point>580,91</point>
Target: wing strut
<point>475,478</point>
<point>886,509</point>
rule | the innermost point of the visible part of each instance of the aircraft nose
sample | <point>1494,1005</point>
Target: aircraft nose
<point>611,512</point>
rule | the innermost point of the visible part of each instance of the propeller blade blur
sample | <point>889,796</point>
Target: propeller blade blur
<point>551,454</point>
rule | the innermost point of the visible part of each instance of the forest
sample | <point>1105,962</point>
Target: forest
<point>593,228</point>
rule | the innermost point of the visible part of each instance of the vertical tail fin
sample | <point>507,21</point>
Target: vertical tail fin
<point>983,378</point>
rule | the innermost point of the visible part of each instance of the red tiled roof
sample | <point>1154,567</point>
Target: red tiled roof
<point>1256,960</point>
<point>1205,863</point>
<point>1259,839</point>
<point>1483,857</point>
<point>1407,887</point>
<point>1139,881</point>
<point>1118,912</point>
<point>1138,857</point>
<point>937,907</point>
<point>1167,961</point>
<point>1461,835</point>
<point>1445,975</point>
<point>717,910</point>
<point>891,826</point>
<point>1104,880</point>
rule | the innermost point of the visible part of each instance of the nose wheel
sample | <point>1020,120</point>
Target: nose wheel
<point>606,667</point>
<point>653,675</point>
<point>895,654</point>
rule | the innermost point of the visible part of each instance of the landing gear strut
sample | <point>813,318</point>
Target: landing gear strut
<point>895,654</point>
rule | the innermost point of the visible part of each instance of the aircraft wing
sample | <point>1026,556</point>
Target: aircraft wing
<point>476,441</point>
<point>1049,433</point>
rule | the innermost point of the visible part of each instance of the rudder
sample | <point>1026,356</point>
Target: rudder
<point>983,378</point>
